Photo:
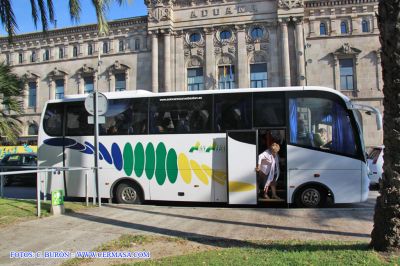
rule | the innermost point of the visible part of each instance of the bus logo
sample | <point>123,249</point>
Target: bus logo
<point>203,148</point>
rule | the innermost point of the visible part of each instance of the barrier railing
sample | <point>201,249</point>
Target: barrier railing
<point>46,170</point>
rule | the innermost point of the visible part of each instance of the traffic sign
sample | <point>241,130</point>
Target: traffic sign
<point>102,104</point>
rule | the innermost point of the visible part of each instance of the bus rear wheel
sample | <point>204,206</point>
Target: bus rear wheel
<point>129,194</point>
<point>311,197</point>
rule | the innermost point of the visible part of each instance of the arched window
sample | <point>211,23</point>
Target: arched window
<point>33,56</point>
<point>32,129</point>
<point>365,26</point>
<point>137,44</point>
<point>322,29</point>
<point>195,37</point>
<point>105,47</point>
<point>46,55</point>
<point>75,51</point>
<point>121,46</point>
<point>61,53</point>
<point>344,29</point>
<point>90,49</point>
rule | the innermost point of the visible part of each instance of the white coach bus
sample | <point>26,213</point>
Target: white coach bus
<point>203,146</point>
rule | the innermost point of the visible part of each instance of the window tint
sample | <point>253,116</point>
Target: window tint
<point>232,111</point>
<point>322,124</point>
<point>269,109</point>
<point>125,117</point>
<point>53,119</point>
<point>187,114</point>
<point>77,120</point>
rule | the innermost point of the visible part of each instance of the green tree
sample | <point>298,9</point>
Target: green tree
<point>43,10</point>
<point>386,232</point>
<point>11,106</point>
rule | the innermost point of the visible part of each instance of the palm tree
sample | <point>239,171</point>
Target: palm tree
<point>386,233</point>
<point>45,10</point>
<point>10,104</point>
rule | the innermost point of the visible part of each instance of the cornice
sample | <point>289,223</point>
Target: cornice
<point>113,25</point>
<point>319,3</point>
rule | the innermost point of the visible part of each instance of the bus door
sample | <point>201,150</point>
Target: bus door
<point>242,161</point>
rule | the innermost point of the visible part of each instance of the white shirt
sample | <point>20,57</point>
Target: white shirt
<point>265,161</point>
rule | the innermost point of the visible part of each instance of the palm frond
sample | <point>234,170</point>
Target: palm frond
<point>75,10</point>
<point>34,12</point>
<point>43,14</point>
<point>11,88</point>
<point>7,18</point>
<point>101,7</point>
<point>50,9</point>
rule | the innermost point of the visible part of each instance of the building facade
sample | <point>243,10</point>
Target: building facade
<point>208,44</point>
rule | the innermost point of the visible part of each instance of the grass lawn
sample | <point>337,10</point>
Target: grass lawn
<point>289,253</point>
<point>164,251</point>
<point>13,210</point>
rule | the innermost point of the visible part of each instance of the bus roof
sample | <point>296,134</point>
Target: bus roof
<point>148,94</point>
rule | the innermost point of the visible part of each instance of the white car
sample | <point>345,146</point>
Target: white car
<point>375,164</point>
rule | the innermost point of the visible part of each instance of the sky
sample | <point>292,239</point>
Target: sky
<point>22,10</point>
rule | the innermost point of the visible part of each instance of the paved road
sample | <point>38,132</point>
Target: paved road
<point>85,231</point>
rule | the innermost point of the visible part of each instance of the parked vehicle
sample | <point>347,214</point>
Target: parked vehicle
<point>375,164</point>
<point>19,162</point>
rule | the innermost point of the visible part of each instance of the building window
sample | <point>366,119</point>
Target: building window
<point>195,79</point>
<point>344,28</point>
<point>61,53</point>
<point>226,77</point>
<point>120,82</point>
<point>322,29</point>
<point>32,94</point>
<point>346,74</point>
<point>20,58</point>
<point>257,33</point>
<point>75,51</point>
<point>365,26</point>
<point>225,35</point>
<point>59,89</point>
<point>90,49</point>
<point>33,56</point>
<point>89,84</point>
<point>32,129</point>
<point>105,47</point>
<point>258,75</point>
<point>195,37</point>
<point>137,44</point>
<point>46,55</point>
<point>121,46</point>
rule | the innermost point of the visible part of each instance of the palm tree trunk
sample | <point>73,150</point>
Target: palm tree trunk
<point>386,232</point>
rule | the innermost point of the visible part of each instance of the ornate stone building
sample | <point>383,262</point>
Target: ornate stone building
<point>209,44</point>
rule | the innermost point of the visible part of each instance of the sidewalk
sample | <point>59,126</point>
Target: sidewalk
<point>87,230</point>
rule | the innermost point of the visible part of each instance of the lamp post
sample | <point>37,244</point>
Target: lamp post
<point>96,130</point>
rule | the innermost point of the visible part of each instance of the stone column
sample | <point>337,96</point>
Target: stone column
<point>111,81</point>
<point>242,64</point>
<point>26,95</point>
<point>209,73</point>
<point>336,72</point>
<point>300,53</point>
<point>154,61</point>
<point>167,60</point>
<point>379,79</point>
<point>179,62</point>
<point>52,88</point>
<point>81,84</point>
<point>285,53</point>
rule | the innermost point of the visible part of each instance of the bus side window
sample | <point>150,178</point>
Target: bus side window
<point>322,124</point>
<point>53,119</point>
<point>77,120</point>
<point>181,115</point>
<point>232,111</point>
<point>269,109</point>
<point>125,117</point>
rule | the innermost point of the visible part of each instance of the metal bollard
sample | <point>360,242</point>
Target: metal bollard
<point>86,188</point>
<point>46,174</point>
<point>1,187</point>
<point>38,195</point>
<point>94,190</point>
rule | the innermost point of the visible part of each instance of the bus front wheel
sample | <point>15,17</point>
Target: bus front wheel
<point>129,194</point>
<point>311,197</point>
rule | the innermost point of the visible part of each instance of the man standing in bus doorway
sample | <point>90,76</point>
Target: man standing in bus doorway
<point>268,169</point>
